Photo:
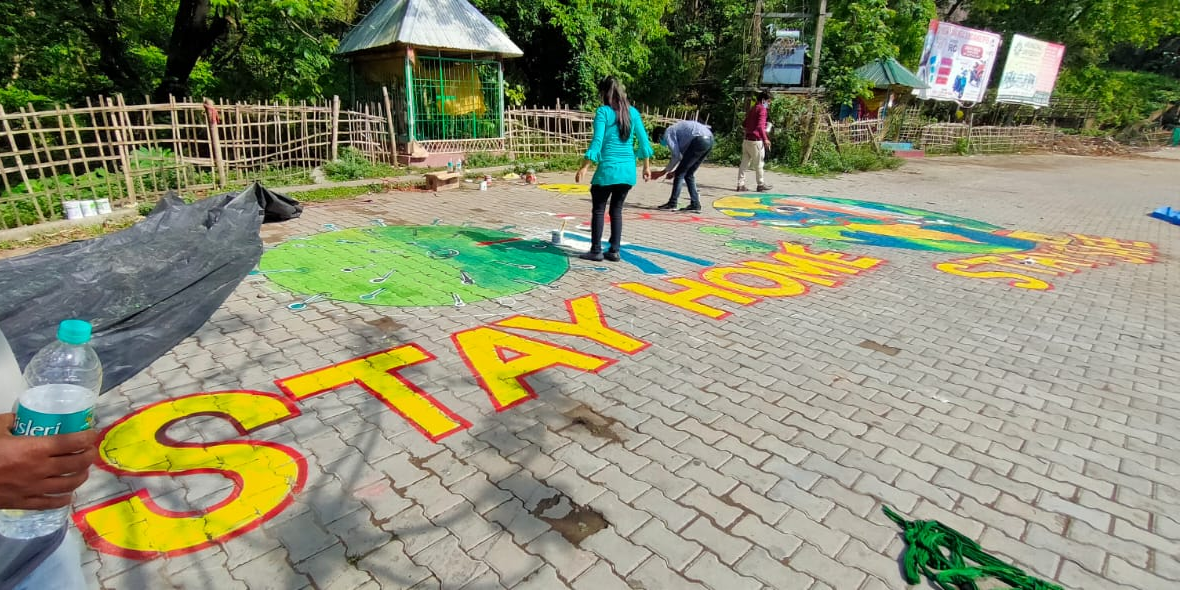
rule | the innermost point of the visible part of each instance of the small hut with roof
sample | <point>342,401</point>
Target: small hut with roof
<point>442,62</point>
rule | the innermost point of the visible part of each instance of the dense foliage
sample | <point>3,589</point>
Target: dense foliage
<point>669,52</point>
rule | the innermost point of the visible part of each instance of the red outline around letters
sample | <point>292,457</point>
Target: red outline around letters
<point>101,544</point>
<point>573,318</point>
<point>520,379</point>
<point>724,314</point>
<point>463,424</point>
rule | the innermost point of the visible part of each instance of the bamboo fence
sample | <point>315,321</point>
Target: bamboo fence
<point>546,132</point>
<point>125,153</point>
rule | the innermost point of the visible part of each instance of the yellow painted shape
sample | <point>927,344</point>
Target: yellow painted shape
<point>784,286</point>
<point>734,213</point>
<point>798,251</point>
<point>265,476</point>
<point>566,189</point>
<point>736,202</point>
<point>377,374</point>
<point>587,322</point>
<point>1018,280</point>
<point>502,375</point>
<point>905,230</point>
<point>1038,237</point>
<point>689,298</point>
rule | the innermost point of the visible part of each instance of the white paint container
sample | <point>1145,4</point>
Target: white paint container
<point>89,209</point>
<point>556,238</point>
<point>103,206</point>
<point>483,185</point>
<point>73,209</point>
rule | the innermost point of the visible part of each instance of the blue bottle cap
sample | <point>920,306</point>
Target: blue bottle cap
<point>74,331</point>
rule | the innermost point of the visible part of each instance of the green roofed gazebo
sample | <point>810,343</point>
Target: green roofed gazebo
<point>887,73</point>
<point>442,62</point>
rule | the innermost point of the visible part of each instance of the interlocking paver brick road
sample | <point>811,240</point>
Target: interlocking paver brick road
<point>751,449</point>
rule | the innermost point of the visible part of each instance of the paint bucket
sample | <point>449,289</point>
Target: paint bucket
<point>103,206</point>
<point>73,209</point>
<point>483,185</point>
<point>89,209</point>
<point>556,239</point>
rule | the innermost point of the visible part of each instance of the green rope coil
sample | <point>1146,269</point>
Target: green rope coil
<point>951,561</point>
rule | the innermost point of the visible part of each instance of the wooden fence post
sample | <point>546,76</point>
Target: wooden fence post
<point>389,122</point>
<point>121,145</point>
<point>215,142</point>
<point>20,166</point>
<point>335,148</point>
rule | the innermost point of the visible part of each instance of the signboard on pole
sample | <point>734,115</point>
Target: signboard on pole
<point>957,62</point>
<point>1031,71</point>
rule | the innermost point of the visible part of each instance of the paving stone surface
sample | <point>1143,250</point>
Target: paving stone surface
<point>754,450</point>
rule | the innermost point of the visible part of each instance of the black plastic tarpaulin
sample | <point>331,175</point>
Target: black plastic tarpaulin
<point>144,289</point>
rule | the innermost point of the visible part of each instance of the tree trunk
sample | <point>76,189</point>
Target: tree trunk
<point>101,27</point>
<point>194,32</point>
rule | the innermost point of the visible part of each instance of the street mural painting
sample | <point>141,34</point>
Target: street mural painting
<point>411,265</point>
<point>501,355</point>
<point>634,254</point>
<point>872,224</point>
<point>1053,256</point>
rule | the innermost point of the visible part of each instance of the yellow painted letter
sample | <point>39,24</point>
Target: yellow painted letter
<point>783,285</point>
<point>689,297</point>
<point>1019,280</point>
<point>265,476</point>
<point>377,374</point>
<point>486,351</point>
<point>588,322</point>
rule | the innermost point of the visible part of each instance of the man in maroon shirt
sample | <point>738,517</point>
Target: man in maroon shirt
<point>756,144</point>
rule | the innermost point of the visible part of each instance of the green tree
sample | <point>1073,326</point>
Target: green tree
<point>570,44</point>
<point>858,33</point>
<point>1090,29</point>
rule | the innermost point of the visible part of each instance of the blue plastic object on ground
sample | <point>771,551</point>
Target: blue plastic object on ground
<point>1167,214</point>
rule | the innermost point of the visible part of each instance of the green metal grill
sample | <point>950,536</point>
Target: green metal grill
<point>454,98</point>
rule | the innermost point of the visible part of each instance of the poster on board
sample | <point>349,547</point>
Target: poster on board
<point>1030,72</point>
<point>957,62</point>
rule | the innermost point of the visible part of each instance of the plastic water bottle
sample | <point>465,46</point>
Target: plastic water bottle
<point>450,166</point>
<point>64,379</point>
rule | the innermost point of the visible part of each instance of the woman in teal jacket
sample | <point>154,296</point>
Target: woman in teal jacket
<point>617,126</point>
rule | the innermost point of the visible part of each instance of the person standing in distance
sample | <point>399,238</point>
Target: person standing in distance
<point>617,126</point>
<point>690,143</point>
<point>756,144</point>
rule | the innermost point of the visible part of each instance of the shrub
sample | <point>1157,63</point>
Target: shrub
<point>354,165</point>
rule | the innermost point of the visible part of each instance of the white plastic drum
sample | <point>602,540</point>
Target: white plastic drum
<point>89,209</point>
<point>103,206</point>
<point>73,209</point>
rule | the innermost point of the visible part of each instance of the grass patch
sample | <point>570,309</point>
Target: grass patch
<point>336,193</point>
<point>69,235</point>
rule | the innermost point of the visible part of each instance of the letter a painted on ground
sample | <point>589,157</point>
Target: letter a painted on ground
<point>377,374</point>
<point>265,476</point>
<point>500,361</point>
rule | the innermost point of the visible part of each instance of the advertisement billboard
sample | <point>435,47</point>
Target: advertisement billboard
<point>957,62</point>
<point>1031,71</point>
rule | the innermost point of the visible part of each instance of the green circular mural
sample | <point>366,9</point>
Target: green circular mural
<point>412,266</point>
<point>854,221</point>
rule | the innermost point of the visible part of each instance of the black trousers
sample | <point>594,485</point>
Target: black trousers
<point>694,155</point>
<point>600,197</point>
